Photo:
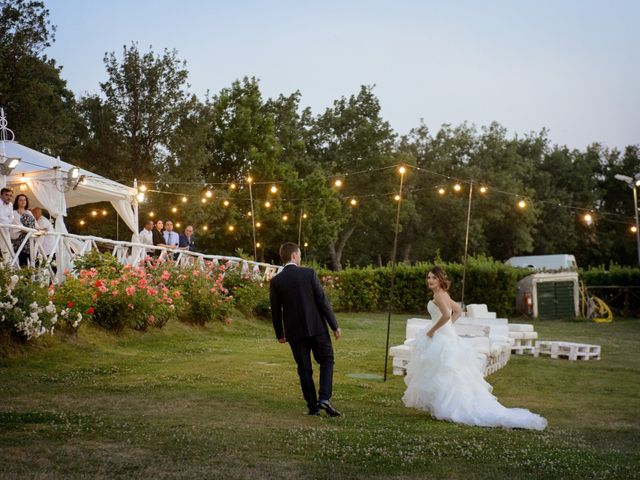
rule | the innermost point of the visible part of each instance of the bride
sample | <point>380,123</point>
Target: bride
<point>443,376</point>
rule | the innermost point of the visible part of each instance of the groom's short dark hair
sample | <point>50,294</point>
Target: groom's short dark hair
<point>286,250</point>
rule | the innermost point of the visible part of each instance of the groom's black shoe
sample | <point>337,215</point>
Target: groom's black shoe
<point>313,413</point>
<point>327,407</point>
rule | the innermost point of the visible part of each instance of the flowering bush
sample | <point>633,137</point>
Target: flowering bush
<point>26,311</point>
<point>250,293</point>
<point>74,302</point>
<point>206,297</point>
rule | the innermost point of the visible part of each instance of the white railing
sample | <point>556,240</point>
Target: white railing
<point>68,247</point>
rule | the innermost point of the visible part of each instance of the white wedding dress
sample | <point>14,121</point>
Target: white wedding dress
<point>443,378</point>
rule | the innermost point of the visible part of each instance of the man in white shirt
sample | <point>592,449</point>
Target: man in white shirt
<point>6,217</point>
<point>146,234</point>
<point>44,225</point>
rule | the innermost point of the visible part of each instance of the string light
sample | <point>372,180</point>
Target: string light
<point>184,199</point>
<point>249,180</point>
<point>305,216</point>
<point>178,225</point>
<point>338,183</point>
<point>140,197</point>
<point>143,188</point>
<point>483,189</point>
<point>402,170</point>
<point>457,187</point>
<point>104,212</point>
<point>248,214</point>
<point>209,194</point>
<point>522,204</point>
<point>231,228</point>
<point>633,229</point>
<point>588,219</point>
<point>232,186</point>
<point>203,200</point>
<point>205,228</point>
<point>94,213</point>
<point>267,204</point>
<point>225,203</point>
<point>258,224</point>
<point>306,244</point>
<point>285,218</point>
<point>151,214</point>
<point>397,198</point>
<point>274,189</point>
<point>174,210</point>
<point>82,222</point>
<point>258,245</point>
<point>441,191</point>
<point>353,202</point>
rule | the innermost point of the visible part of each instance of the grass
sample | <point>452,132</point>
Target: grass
<point>223,401</point>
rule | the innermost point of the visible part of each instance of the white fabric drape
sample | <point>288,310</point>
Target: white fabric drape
<point>128,211</point>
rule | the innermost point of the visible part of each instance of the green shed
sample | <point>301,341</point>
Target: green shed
<point>549,295</point>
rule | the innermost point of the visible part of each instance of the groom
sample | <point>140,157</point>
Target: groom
<point>298,301</point>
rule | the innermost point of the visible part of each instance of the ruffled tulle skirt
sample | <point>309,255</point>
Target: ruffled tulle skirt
<point>444,379</point>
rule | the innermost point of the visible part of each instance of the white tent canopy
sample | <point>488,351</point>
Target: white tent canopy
<point>48,183</point>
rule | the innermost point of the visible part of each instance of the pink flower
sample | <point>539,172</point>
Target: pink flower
<point>196,273</point>
<point>165,275</point>
<point>228,321</point>
<point>131,290</point>
<point>165,289</point>
<point>152,291</point>
<point>103,289</point>
<point>142,283</point>
<point>130,306</point>
<point>152,319</point>
<point>176,294</point>
<point>168,300</point>
<point>114,293</point>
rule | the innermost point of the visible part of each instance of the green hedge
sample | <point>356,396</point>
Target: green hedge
<point>625,300</point>
<point>367,289</point>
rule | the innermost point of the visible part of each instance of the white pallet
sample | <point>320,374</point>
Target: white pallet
<point>523,346</point>
<point>523,335</point>
<point>570,350</point>
<point>520,327</point>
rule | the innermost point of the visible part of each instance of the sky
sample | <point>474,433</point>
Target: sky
<point>571,66</point>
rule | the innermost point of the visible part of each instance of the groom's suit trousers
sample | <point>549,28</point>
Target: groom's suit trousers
<point>320,346</point>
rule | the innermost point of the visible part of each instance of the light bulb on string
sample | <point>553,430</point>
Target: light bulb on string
<point>258,224</point>
<point>232,186</point>
<point>184,199</point>
<point>285,218</point>
<point>143,188</point>
<point>151,214</point>
<point>483,189</point>
<point>397,198</point>
<point>209,194</point>
<point>457,187</point>
<point>402,170</point>
<point>248,214</point>
<point>82,222</point>
<point>305,216</point>
<point>522,204</point>
<point>267,204</point>
<point>441,191</point>
<point>178,225</point>
<point>249,179</point>
<point>104,212</point>
<point>274,189</point>
<point>94,213</point>
<point>338,183</point>
<point>258,245</point>
<point>225,203</point>
<point>633,229</point>
<point>306,244</point>
<point>353,202</point>
<point>203,200</point>
<point>231,228</point>
<point>588,218</point>
<point>205,227</point>
<point>174,210</point>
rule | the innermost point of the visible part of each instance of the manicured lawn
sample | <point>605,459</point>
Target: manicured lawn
<point>224,402</point>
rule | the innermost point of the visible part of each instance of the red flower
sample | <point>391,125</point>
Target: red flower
<point>91,311</point>
<point>70,304</point>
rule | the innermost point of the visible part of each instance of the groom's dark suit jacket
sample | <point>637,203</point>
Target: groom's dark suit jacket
<point>299,307</point>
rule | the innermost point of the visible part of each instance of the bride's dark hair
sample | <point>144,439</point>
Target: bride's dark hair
<point>441,275</point>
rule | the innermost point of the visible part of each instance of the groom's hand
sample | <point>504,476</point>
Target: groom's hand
<point>282,340</point>
<point>337,333</point>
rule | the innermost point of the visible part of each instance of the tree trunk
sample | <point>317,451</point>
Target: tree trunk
<point>406,252</point>
<point>336,248</point>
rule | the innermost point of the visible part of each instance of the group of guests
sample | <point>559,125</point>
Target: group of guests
<point>16,212</point>
<point>162,234</point>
